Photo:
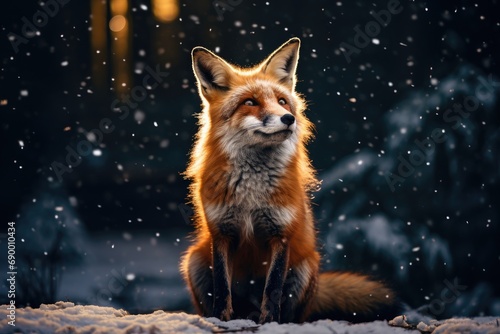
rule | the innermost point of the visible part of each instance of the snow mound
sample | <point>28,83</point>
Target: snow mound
<point>476,325</point>
<point>451,326</point>
<point>68,318</point>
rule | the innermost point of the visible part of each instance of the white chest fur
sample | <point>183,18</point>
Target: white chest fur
<point>253,177</point>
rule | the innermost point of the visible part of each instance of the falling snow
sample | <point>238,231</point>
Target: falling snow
<point>407,146</point>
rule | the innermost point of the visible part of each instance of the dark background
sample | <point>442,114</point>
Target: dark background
<point>111,230</point>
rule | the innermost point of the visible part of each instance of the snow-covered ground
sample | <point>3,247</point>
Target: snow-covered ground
<point>66,317</point>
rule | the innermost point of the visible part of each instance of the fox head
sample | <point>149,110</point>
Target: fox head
<point>251,107</point>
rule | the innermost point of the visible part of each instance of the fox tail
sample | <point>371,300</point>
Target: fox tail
<point>352,297</point>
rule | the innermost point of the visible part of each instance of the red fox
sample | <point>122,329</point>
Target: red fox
<point>254,253</point>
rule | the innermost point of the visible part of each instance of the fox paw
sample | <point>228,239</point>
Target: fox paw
<point>226,314</point>
<point>268,316</point>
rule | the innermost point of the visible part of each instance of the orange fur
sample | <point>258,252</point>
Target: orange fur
<point>254,252</point>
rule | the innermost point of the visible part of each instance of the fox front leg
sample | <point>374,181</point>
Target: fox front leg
<point>222,306</point>
<point>273,290</point>
<point>224,238</point>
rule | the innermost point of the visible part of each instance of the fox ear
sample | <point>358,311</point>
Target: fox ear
<point>211,71</point>
<point>282,63</point>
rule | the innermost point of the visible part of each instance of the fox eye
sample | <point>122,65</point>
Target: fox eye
<point>282,101</point>
<point>250,102</point>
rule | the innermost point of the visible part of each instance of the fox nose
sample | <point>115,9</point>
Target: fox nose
<point>287,119</point>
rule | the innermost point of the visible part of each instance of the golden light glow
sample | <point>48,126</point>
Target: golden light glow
<point>99,44</point>
<point>98,24</point>
<point>119,7</point>
<point>117,23</point>
<point>165,10</point>
<point>120,44</point>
